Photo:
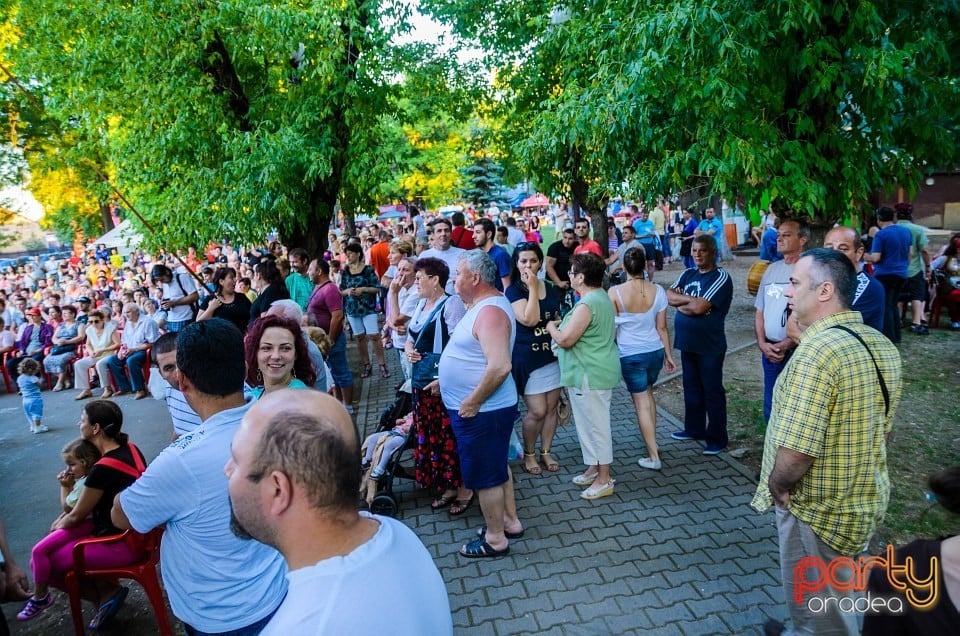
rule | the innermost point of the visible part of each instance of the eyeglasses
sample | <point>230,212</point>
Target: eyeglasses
<point>94,322</point>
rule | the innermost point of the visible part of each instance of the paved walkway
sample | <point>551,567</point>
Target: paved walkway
<point>672,552</point>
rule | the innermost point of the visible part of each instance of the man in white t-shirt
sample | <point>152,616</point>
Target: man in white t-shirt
<point>179,295</point>
<point>339,559</point>
<point>442,249</point>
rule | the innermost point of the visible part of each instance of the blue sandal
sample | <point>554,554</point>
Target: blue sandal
<point>109,609</point>
<point>479,549</point>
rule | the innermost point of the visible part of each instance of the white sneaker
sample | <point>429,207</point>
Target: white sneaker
<point>651,464</point>
<point>41,429</point>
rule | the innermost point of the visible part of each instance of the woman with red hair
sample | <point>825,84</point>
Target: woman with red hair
<point>277,356</point>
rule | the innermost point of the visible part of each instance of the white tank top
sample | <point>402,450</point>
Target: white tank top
<point>463,364</point>
<point>637,332</point>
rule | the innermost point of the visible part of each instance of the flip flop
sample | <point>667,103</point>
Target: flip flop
<point>443,501</point>
<point>482,532</point>
<point>109,609</point>
<point>480,549</point>
<point>460,506</point>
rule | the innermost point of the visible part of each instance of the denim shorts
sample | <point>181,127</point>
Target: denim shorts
<point>641,370</point>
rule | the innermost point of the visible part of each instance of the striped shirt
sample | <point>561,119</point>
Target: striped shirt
<point>185,419</point>
<point>828,404</point>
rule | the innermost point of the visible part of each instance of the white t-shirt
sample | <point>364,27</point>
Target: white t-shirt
<point>172,291</point>
<point>388,585</point>
<point>407,298</point>
<point>772,301</point>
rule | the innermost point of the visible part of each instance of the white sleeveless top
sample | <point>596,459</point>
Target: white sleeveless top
<point>463,364</point>
<point>637,332</point>
<point>101,341</point>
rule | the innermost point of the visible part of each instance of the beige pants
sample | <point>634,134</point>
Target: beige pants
<point>591,415</point>
<point>82,366</point>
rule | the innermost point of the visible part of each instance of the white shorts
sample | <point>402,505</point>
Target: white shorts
<point>543,380</point>
<point>367,325</point>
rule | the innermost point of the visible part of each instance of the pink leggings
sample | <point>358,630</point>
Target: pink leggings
<point>52,557</point>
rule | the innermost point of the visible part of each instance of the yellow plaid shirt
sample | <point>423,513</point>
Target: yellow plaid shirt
<point>827,404</point>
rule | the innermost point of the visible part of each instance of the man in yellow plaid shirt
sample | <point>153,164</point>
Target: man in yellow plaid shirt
<point>824,460</point>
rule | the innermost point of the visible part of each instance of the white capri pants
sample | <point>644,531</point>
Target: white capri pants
<point>82,366</point>
<point>367,325</point>
<point>591,415</point>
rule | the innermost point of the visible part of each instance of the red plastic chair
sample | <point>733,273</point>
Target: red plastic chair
<point>143,571</point>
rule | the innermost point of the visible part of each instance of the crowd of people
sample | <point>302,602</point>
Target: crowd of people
<point>249,342</point>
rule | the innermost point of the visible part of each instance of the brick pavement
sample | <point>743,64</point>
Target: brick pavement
<point>672,552</point>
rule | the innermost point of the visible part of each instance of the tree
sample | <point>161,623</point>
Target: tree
<point>819,105</point>
<point>483,181</point>
<point>220,119</point>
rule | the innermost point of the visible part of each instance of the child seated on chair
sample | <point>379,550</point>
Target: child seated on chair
<point>79,456</point>
<point>390,441</point>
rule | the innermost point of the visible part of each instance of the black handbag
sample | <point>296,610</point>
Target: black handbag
<point>59,349</point>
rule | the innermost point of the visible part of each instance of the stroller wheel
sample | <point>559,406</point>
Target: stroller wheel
<point>384,505</point>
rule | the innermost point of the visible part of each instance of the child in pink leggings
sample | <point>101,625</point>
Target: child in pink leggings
<point>79,456</point>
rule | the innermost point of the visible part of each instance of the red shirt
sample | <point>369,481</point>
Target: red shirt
<point>463,238</point>
<point>589,245</point>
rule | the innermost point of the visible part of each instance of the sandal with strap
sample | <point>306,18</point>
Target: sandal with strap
<point>479,548</point>
<point>384,371</point>
<point>460,506</point>
<point>552,464</point>
<point>527,467</point>
<point>367,370</point>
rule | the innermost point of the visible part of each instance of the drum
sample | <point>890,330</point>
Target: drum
<point>755,275</point>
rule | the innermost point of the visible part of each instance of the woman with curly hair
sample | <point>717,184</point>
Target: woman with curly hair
<point>277,356</point>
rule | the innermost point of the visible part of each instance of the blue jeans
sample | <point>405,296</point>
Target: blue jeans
<point>337,360</point>
<point>665,245</point>
<point>249,630</point>
<point>771,371</point>
<point>133,364</point>
<point>704,397</point>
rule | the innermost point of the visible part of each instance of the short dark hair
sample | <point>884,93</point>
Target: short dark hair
<point>164,344</point>
<point>302,365</point>
<point>210,356</point>
<point>312,453</point>
<point>323,266</point>
<point>299,253</point>
<point>708,242</point>
<point>591,266</point>
<point>885,214</point>
<point>441,221</point>
<point>457,218</point>
<point>433,267</point>
<point>502,229</point>
<point>635,261</point>
<point>160,271</point>
<point>512,222</point>
<point>353,247</point>
<point>488,226</point>
<point>834,266</point>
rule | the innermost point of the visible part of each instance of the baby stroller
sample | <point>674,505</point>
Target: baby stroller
<point>378,492</point>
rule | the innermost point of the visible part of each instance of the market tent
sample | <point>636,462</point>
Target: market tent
<point>123,237</point>
<point>536,201</point>
<point>387,216</point>
<point>449,209</point>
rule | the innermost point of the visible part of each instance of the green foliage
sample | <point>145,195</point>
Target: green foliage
<point>818,106</point>
<point>483,182</point>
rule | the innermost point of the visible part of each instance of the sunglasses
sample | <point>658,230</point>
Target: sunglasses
<point>95,322</point>
<point>527,245</point>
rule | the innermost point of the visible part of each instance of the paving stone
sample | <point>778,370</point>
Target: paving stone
<point>671,614</point>
<point>517,625</point>
<point>676,594</point>
<point>705,625</point>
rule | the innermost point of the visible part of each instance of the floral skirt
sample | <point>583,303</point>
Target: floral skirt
<point>437,464</point>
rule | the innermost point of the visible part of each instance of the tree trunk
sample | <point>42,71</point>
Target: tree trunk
<point>105,216</point>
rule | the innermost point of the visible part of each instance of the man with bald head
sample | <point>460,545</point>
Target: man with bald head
<point>868,298</point>
<point>294,475</point>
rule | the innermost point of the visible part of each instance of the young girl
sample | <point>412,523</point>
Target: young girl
<point>395,438</point>
<point>79,456</point>
<point>29,384</point>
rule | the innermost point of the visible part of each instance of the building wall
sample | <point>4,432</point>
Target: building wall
<point>936,205</point>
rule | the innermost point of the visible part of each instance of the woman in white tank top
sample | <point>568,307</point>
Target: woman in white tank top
<point>644,345</point>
